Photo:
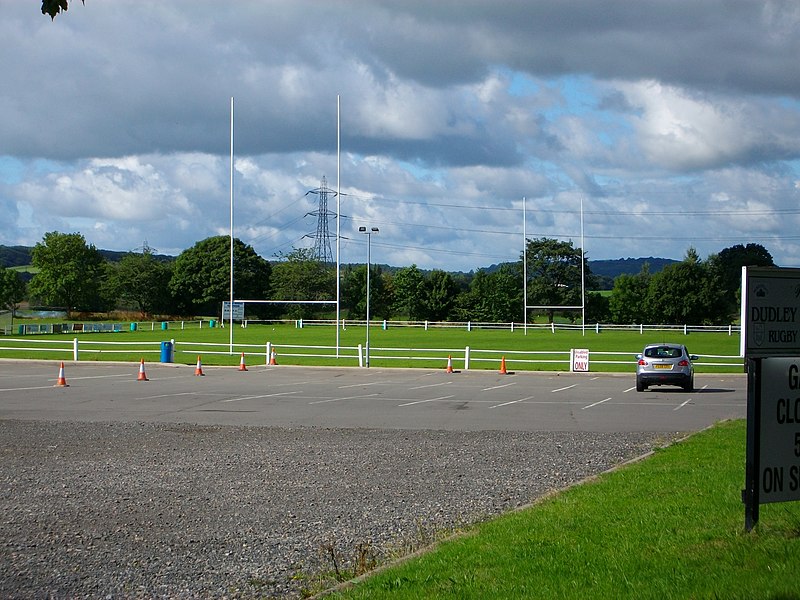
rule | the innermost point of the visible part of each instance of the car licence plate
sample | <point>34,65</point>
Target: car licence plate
<point>662,366</point>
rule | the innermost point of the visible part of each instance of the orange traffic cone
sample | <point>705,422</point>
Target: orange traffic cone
<point>449,368</point>
<point>503,366</point>
<point>198,370</point>
<point>62,381</point>
<point>273,358</point>
<point>142,376</point>
<point>242,366</point>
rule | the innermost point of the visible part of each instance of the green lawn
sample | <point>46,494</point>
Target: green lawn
<point>538,349</point>
<point>671,526</point>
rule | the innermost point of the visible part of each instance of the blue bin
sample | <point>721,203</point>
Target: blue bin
<point>164,326</point>
<point>212,323</point>
<point>167,353</point>
<point>133,326</point>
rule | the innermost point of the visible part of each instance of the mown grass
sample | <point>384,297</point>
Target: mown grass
<point>671,526</point>
<point>389,347</point>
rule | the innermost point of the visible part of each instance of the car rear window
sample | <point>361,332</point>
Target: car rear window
<point>662,352</point>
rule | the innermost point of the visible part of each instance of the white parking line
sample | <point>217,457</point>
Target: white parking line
<point>256,397</point>
<point>497,387</point>
<point>419,387</point>
<point>596,403</point>
<point>344,398</point>
<point>682,405</point>
<point>424,401</point>
<point>512,402</point>
<point>564,388</point>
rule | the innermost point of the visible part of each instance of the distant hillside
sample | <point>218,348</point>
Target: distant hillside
<point>19,256</point>
<point>630,266</point>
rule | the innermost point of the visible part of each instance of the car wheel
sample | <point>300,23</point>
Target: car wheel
<point>689,386</point>
<point>640,387</point>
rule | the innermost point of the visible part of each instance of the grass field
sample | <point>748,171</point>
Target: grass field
<point>671,526</point>
<point>538,349</point>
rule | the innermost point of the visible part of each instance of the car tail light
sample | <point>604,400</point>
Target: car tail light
<point>642,362</point>
<point>683,363</point>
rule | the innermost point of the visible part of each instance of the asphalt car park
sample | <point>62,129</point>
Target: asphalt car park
<point>378,398</point>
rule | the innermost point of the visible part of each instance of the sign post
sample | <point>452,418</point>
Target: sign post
<point>771,345</point>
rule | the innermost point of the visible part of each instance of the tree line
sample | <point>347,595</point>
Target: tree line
<point>71,274</point>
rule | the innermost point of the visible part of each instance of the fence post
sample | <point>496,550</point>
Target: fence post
<point>684,329</point>
<point>553,326</point>
<point>641,329</point>
<point>597,327</point>
<point>269,351</point>
<point>469,325</point>
<point>466,358</point>
<point>360,356</point>
<point>75,349</point>
<point>426,324</point>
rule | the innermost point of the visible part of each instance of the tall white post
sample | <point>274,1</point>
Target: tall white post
<point>230,306</point>
<point>338,218</point>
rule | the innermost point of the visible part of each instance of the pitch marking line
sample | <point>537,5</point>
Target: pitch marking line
<point>429,400</point>
<point>596,403</point>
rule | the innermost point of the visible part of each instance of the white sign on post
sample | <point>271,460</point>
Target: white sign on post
<point>779,461</point>
<point>580,360</point>
<point>771,312</point>
<point>238,311</point>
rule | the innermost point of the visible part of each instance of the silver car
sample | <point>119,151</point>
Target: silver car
<point>665,364</point>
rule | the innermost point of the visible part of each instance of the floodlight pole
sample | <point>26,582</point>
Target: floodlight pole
<point>368,233</point>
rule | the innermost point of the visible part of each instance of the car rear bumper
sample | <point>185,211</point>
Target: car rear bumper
<point>664,378</point>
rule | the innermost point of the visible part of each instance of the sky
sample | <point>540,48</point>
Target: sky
<point>633,129</point>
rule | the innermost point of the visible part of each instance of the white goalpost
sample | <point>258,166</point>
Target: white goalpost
<point>527,307</point>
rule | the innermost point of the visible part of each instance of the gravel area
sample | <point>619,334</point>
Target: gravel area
<point>98,510</point>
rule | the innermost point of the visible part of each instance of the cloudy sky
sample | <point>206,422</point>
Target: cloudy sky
<point>673,123</point>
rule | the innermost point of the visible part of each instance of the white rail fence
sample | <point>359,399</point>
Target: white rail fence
<point>466,357</point>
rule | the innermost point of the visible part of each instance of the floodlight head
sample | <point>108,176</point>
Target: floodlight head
<point>362,229</point>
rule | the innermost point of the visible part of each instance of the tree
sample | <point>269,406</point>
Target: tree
<point>201,275</point>
<point>354,293</point>
<point>554,274</point>
<point>53,7</point>
<point>12,290</point>
<point>300,275</point>
<point>70,272</point>
<point>686,292</point>
<point>408,284</point>
<point>727,265</point>
<point>142,280</point>
<point>440,293</point>
<point>628,300</point>
<point>492,297</point>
